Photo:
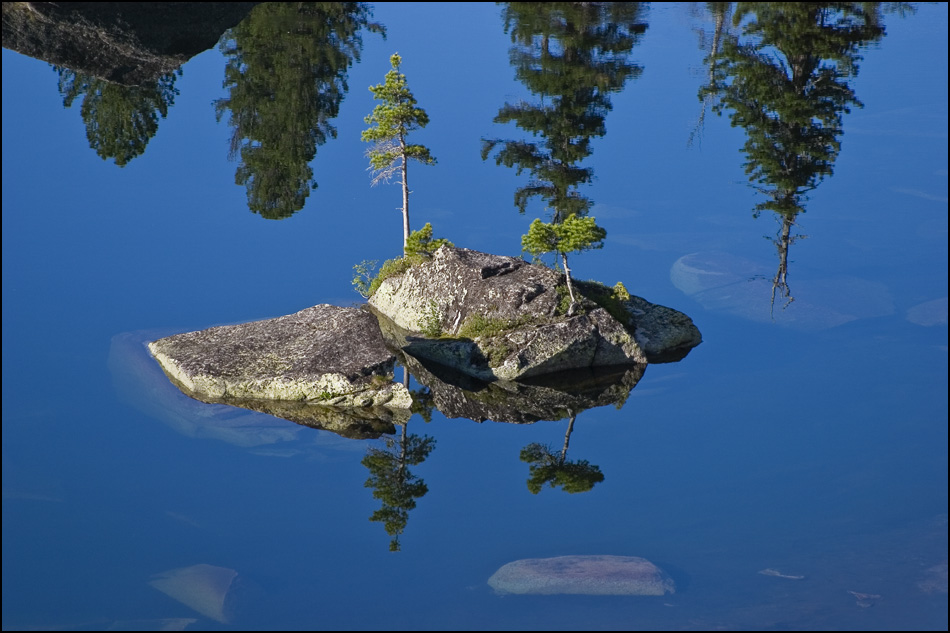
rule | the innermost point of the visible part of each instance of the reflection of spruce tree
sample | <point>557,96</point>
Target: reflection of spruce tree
<point>572,55</point>
<point>786,85</point>
<point>286,76</point>
<point>552,468</point>
<point>393,484</point>
<point>719,11</point>
<point>120,120</point>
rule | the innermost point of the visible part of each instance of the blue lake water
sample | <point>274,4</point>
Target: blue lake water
<point>809,439</point>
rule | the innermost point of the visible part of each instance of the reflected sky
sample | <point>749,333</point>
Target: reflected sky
<point>813,451</point>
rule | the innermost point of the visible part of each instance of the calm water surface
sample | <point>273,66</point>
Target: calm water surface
<point>809,439</point>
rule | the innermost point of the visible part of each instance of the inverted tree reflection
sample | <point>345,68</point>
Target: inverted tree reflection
<point>548,466</point>
<point>120,120</point>
<point>286,76</point>
<point>572,56</point>
<point>784,80</point>
<point>392,481</point>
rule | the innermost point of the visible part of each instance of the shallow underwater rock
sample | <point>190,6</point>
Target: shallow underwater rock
<point>324,354</point>
<point>935,579</point>
<point>726,283</point>
<point>929,313</point>
<point>590,575</point>
<point>203,587</point>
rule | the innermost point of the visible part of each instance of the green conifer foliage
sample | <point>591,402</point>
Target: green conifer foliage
<point>574,235</point>
<point>551,467</point>
<point>120,120</point>
<point>392,482</point>
<point>390,124</point>
<point>422,244</point>
<point>286,72</point>
<point>784,79</point>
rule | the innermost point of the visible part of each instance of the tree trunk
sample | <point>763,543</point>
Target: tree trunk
<point>567,438</point>
<point>405,194</point>
<point>403,445</point>
<point>720,13</point>
<point>780,281</point>
<point>570,286</point>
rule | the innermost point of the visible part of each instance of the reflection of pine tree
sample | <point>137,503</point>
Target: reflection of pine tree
<point>286,76</point>
<point>552,468</point>
<point>392,482</point>
<point>572,55</point>
<point>786,84</point>
<point>720,12</point>
<point>120,120</point>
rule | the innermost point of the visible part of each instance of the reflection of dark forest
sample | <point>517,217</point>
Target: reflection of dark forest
<point>286,75</point>
<point>784,79</point>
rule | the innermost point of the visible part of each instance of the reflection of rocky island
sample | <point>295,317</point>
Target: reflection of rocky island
<point>552,397</point>
<point>358,423</point>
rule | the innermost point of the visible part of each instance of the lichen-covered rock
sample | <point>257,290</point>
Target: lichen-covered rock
<point>664,334</point>
<point>457,283</point>
<point>326,354</point>
<point>501,318</point>
<point>534,349</point>
<point>590,575</point>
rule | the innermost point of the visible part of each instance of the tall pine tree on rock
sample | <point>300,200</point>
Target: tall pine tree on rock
<point>391,121</point>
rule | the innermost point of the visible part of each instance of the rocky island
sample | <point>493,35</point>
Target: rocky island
<point>492,318</point>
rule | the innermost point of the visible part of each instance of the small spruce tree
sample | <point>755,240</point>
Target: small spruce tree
<point>574,235</point>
